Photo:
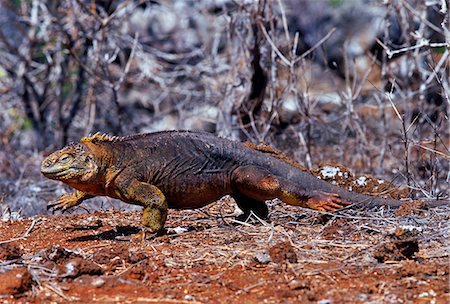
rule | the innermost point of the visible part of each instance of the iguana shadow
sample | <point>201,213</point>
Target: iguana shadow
<point>111,235</point>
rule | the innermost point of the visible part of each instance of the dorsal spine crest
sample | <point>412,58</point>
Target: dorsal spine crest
<point>98,137</point>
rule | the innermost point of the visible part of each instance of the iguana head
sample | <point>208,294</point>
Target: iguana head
<point>73,163</point>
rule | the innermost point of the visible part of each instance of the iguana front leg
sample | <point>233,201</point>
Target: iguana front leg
<point>67,201</point>
<point>150,197</point>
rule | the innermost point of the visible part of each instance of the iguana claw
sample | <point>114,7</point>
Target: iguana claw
<point>63,203</point>
<point>324,201</point>
<point>67,201</point>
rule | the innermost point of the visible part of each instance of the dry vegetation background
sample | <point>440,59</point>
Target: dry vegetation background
<point>361,83</point>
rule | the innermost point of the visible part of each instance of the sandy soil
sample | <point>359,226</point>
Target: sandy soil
<point>207,256</point>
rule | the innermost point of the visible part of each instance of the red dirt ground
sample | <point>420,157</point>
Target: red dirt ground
<point>300,256</point>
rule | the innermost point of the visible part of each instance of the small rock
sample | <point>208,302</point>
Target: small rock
<point>179,230</point>
<point>411,208</point>
<point>296,285</point>
<point>59,254</point>
<point>15,281</point>
<point>406,231</point>
<point>423,295</point>
<point>282,252</point>
<point>263,257</point>
<point>363,296</point>
<point>78,266</point>
<point>136,255</point>
<point>396,250</point>
<point>10,251</point>
<point>189,297</point>
<point>98,282</point>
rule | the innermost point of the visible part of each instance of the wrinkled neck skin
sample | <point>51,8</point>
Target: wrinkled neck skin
<point>91,186</point>
<point>92,179</point>
<point>99,165</point>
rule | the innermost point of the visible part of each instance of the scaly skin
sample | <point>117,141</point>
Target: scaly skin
<point>185,170</point>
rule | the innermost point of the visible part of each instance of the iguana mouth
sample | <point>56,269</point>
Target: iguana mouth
<point>58,173</point>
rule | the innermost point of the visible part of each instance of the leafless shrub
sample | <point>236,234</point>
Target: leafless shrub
<point>418,85</point>
<point>63,63</point>
<point>403,73</point>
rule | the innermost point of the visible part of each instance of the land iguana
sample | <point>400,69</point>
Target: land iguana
<point>186,170</point>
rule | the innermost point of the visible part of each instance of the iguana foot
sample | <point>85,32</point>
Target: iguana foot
<point>249,206</point>
<point>147,234</point>
<point>324,201</point>
<point>245,217</point>
<point>144,235</point>
<point>63,203</point>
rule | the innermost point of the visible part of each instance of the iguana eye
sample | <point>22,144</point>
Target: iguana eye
<point>64,158</point>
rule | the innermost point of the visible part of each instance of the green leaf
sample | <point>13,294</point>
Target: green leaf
<point>336,3</point>
<point>439,50</point>
<point>3,73</point>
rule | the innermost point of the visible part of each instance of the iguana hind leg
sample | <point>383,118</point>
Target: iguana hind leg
<point>150,197</point>
<point>247,205</point>
<point>259,184</point>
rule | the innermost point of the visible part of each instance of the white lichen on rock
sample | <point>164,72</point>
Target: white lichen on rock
<point>361,181</point>
<point>330,172</point>
<point>412,228</point>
